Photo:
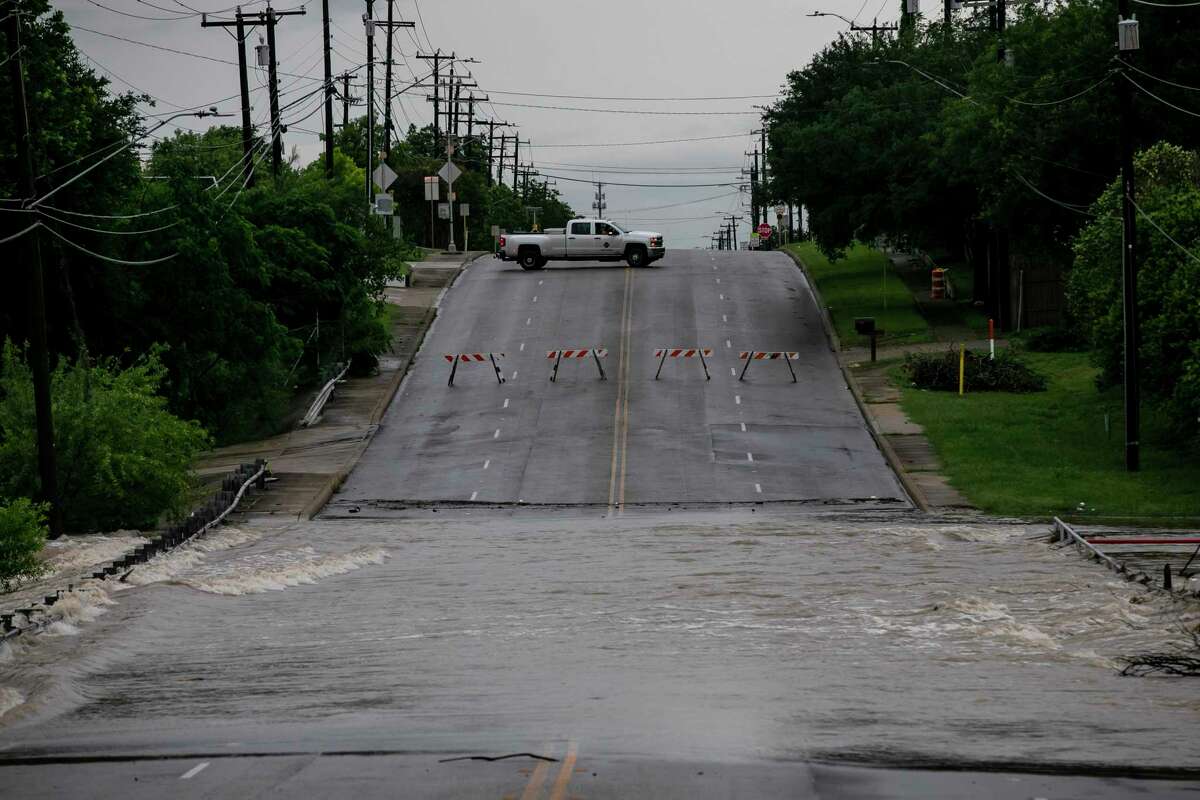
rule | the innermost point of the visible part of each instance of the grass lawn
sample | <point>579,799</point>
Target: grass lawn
<point>1041,454</point>
<point>863,285</point>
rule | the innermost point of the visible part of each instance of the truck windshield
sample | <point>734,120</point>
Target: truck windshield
<point>617,227</point>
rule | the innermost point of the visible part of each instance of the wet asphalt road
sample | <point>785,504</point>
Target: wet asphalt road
<point>630,439</point>
<point>740,651</point>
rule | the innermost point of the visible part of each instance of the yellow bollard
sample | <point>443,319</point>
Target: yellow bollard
<point>962,363</point>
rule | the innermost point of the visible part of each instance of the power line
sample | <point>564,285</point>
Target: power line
<point>634,112</point>
<point>737,135</point>
<point>1166,235</point>
<point>677,205</point>
<point>1146,91</point>
<point>645,185</point>
<point>101,256</point>
<point>639,99</point>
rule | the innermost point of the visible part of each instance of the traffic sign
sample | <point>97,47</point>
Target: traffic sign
<point>431,187</point>
<point>383,176</point>
<point>780,210</point>
<point>764,231</point>
<point>449,172</point>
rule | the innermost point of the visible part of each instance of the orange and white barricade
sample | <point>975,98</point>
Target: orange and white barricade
<point>703,353</point>
<point>787,356</point>
<point>470,358</point>
<point>596,353</point>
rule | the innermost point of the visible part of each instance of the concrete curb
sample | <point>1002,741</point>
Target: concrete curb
<point>314,506</point>
<point>910,487</point>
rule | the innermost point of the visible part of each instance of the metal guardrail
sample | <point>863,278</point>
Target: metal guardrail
<point>1066,534</point>
<point>38,615</point>
<point>323,397</point>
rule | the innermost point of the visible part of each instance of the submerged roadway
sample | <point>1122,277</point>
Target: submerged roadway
<point>684,587</point>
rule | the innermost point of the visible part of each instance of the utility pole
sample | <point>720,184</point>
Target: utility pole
<point>1001,283</point>
<point>242,22</point>
<point>947,18</point>
<point>329,92</point>
<point>436,58</point>
<point>272,78</point>
<point>39,358</point>
<point>516,161</point>
<point>500,169</point>
<point>754,183</point>
<point>1128,42</point>
<point>345,77</point>
<point>369,25</point>
<point>600,204</point>
<point>387,81</point>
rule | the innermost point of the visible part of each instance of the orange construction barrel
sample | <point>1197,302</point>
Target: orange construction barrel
<point>938,290</point>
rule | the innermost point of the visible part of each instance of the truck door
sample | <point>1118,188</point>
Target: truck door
<point>579,240</point>
<point>608,240</point>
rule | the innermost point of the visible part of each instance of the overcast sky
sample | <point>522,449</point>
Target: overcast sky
<point>614,49</point>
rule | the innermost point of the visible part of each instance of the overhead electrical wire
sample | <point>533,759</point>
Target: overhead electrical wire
<point>737,135</point>
<point>636,99</point>
<point>1158,228</point>
<point>632,111</point>
<point>1168,103</point>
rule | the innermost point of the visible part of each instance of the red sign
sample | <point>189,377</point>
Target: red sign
<point>764,230</point>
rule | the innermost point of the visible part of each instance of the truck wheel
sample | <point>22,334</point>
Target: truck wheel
<point>636,256</point>
<point>531,259</point>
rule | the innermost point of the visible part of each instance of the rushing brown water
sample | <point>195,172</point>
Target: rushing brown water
<point>727,635</point>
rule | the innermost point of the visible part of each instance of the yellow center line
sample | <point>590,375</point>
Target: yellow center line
<point>619,409</point>
<point>627,361</point>
<point>559,790</point>
<point>534,788</point>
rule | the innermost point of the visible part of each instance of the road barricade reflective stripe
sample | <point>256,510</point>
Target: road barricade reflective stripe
<point>787,356</point>
<point>663,353</point>
<point>466,358</point>
<point>596,354</point>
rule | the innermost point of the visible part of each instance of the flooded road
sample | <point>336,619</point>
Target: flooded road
<point>729,637</point>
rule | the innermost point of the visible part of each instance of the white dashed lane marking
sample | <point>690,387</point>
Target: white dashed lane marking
<point>528,320</point>
<point>722,297</point>
<point>514,377</point>
<point>749,456</point>
<point>193,772</point>
<point>743,427</point>
<point>728,343</point>
<point>506,402</point>
<point>737,398</point>
<point>535,298</point>
<point>522,347</point>
<point>487,463</point>
<point>724,318</point>
<point>473,496</point>
<point>758,488</point>
<point>732,371</point>
<point>496,435</point>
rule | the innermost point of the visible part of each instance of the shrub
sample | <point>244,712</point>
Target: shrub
<point>22,534</point>
<point>1007,373</point>
<point>123,459</point>
<point>1055,339</point>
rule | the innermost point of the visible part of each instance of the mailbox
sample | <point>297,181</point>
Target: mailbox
<point>864,325</point>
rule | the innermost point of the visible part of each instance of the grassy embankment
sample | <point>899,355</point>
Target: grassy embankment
<point>1042,454</point>
<point>866,284</point>
<point>1030,455</point>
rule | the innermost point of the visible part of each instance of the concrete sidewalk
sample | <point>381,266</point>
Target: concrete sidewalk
<point>310,463</point>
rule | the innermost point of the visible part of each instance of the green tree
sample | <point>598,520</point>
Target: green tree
<point>123,458</point>
<point>1168,186</point>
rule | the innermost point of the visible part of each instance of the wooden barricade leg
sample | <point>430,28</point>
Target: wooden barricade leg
<point>749,358</point>
<point>453,369</point>
<point>495,366</point>
<point>788,361</point>
<point>661,361</point>
<point>704,364</point>
<point>557,361</point>
<point>596,358</point>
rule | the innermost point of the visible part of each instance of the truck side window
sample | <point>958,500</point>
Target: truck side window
<point>580,228</point>
<point>604,229</point>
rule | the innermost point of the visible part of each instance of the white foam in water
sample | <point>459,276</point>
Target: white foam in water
<point>277,571</point>
<point>167,566</point>
<point>83,552</point>
<point>9,699</point>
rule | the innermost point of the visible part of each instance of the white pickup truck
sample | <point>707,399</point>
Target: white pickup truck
<point>582,240</point>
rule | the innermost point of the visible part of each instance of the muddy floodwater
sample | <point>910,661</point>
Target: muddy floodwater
<point>732,636</point>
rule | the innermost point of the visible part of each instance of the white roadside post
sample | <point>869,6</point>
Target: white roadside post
<point>431,194</point>
<point>779,212</point>
<point>464,211</point>
<point>449,173</point>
